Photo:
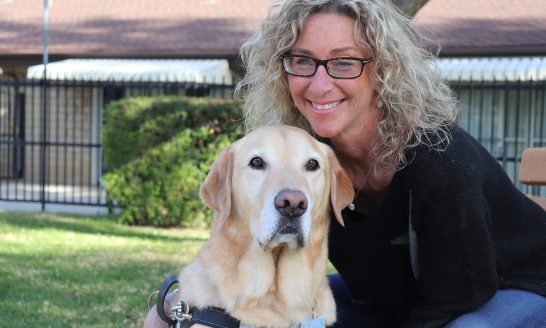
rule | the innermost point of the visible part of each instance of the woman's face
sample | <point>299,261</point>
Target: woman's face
<point>334,107</point>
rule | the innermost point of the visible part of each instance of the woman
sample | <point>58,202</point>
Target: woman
<point>437,234</point>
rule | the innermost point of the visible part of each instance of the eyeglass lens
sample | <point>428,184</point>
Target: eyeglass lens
<point>336,67</point>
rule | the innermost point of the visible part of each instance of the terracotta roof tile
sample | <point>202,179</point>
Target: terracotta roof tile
<point>494,27</point>
<point>174,28</point>
<point>141,27</point>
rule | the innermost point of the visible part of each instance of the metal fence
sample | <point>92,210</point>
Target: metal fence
<point>50,144</point>
<point>506,117</point>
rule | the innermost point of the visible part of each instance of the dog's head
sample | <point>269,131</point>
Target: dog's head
<point>280,182</point>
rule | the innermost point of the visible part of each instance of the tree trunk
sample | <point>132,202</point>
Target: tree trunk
<point>410,7</point>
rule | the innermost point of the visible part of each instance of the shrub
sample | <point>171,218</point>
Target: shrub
<point>158,152</point>
<point>146,122</point>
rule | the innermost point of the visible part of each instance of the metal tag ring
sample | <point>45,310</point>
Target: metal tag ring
<point>181,311</point>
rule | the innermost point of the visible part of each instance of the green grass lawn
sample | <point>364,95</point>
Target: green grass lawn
<point>70,271</point>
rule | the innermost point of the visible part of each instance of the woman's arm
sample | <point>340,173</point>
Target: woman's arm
<point>153,320</point>
<point>456,254</point>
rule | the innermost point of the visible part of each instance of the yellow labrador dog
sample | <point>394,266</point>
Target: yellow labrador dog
<point>273,193</point>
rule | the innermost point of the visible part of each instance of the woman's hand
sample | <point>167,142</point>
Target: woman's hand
<point>153,320</point>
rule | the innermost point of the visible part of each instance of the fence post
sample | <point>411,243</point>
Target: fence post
<point>43,144</point>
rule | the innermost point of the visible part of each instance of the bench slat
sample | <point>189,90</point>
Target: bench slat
<point>532,170</point>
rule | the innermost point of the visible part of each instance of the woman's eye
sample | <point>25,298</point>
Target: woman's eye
<point>257,163</point>
<point>302,62</point>
<point>312,165</point>
<point>344,64</point>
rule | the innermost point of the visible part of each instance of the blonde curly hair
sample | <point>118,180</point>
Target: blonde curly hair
<point>418,106</point>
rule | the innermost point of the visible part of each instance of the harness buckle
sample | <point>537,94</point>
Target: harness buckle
<point>181,311</point>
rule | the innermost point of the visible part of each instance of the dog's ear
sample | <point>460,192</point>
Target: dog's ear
<point>216,190</point>
<point>341,188</point>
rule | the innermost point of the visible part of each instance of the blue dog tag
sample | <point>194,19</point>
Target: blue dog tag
<point>318,322</point>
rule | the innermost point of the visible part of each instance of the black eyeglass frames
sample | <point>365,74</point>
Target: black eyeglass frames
<point>339,68</point>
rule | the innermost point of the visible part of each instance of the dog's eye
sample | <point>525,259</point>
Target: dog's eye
<point>257,163</point>
<point>312,165</point>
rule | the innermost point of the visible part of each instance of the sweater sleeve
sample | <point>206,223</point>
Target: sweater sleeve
<point>455,252</point>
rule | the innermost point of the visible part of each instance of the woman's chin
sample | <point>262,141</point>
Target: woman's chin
<point>323,131</point>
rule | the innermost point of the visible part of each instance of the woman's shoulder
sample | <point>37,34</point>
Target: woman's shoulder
<point>460,158</point>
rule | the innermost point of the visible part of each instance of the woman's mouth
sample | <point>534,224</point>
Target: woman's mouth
<point>327,105</point>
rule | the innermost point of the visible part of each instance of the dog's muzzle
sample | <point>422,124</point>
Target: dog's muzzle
<point>291,205</point>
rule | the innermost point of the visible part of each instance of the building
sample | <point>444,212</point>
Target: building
<point>160,29</point>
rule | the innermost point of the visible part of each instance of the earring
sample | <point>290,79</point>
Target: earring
<point>379,103</point>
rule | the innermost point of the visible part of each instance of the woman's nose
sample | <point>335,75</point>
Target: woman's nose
<point>321,82</point>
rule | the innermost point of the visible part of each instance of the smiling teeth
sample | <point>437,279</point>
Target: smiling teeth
<point>326,106</point>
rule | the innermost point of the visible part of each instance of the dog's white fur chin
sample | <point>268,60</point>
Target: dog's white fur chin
<point>283,240</point>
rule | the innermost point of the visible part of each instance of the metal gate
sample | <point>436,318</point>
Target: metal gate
<point>50,136</point>
<point>50,143</point>
<point>506,118</point>
<point>12,134</point>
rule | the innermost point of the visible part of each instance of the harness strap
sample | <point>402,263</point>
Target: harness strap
<point>211,316</point>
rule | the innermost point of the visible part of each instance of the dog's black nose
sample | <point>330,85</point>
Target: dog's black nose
<point>291,203</point>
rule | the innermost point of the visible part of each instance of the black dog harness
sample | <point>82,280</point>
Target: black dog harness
<point>186,317</point>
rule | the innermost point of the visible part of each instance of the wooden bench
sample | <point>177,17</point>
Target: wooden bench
<point>532,170</point>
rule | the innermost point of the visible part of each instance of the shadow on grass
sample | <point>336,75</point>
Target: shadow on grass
<point>100,226</point>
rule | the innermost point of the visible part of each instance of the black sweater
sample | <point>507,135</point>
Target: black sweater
<point>451,230</point>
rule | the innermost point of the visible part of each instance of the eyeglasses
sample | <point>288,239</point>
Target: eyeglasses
<point>339,68</point>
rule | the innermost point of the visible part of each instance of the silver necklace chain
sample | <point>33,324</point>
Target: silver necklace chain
<point>351,205</point>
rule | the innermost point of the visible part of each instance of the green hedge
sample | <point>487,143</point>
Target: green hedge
<point>158,152</point>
